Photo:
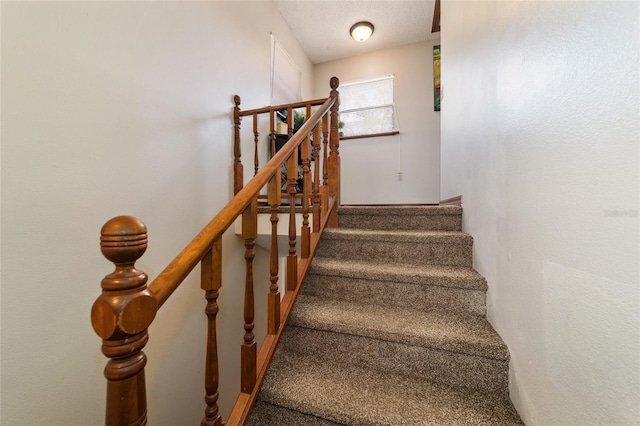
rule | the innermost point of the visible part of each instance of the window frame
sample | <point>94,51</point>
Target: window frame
<point>394,121</point>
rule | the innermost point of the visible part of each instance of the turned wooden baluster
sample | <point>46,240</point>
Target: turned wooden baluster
<point>255,143</point>
<point>274,197</point>
<point>325,162</point>
<point>316,179</point>
<point>211,281</point>
<point>292,258</point>
<point>248,350</point>
<point>121,316</point>
<point>273,299</point>
<point>272,126</point>
<point>305,233</point>
<point>238,174</point>
<point>290,122</point>
<point>291,278</point>
<point>334,155</point>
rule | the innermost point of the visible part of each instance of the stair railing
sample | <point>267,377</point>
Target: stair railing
<point>127,306</point>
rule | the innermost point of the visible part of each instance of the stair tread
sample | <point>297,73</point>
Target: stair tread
<point>401,210</point>
<point>445,276</point>
<point>453,369</point>
<point>462,333</point>
<point>402,236</point>
<point>358,396</point>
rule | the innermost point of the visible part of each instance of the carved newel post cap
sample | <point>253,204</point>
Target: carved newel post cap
<point>123,239</point>
<point>236,100</point>
<point>334,83</point>
<point>126,306</point>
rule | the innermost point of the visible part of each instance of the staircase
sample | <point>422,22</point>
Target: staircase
<point>390,330</point>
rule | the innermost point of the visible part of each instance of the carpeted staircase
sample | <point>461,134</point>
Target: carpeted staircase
<point>390,330</point>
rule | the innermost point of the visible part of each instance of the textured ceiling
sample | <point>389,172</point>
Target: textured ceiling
<point>322,26</point>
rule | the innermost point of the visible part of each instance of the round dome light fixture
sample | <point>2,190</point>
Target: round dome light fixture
<point>361,31</point>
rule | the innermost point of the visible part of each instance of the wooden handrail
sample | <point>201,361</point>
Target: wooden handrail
<point>122,314</point>
<point>170,278</point>
<point>301,104</point>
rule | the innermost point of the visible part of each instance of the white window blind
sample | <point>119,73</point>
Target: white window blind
<point>366,107</point>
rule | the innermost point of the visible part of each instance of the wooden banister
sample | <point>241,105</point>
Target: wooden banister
<point>238,175</point>
<point>256,138</point>
<point>273,303</point>
<point>306,186</point>
<point>316,179</point>
<point>121,316</point>
<point>302,104</point>
<point>127,305</point>
<point>170,278</point>
<point>248,350</point>
<point>242,407</point>
<point>211,282</point>
<point>292,258</point>
<point>325,169</point>
<point>334,155</point>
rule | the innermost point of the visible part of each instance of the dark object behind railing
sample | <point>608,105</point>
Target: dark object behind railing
<point>127,306</point>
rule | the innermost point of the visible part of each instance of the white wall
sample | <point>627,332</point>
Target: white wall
<point>370,166</point>
<point>540,135</point>
<point>108,109</point>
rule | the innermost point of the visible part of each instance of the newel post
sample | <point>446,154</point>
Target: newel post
<point>334,155</point>
<point>121,316</point>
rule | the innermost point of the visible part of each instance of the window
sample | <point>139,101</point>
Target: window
<point>366,107</point>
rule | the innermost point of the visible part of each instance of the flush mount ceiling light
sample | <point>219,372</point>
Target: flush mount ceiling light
<point>361,31</point>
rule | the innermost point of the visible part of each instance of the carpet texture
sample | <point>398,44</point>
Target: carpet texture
<point>390,329</point>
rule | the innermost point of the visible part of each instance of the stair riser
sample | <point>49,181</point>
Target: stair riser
<point>394,222</point>
<point>399,294</point>
<point>264,414</point>
<point>416,253</point>
<point>450,368</point>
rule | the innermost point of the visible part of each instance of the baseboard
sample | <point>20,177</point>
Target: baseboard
<point>453,201</point>
<point>518,396</point>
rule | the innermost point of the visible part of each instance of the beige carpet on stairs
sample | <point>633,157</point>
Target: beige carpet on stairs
<point>390,329</point>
